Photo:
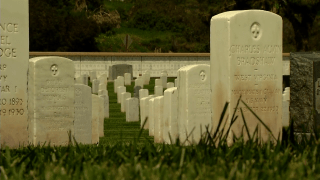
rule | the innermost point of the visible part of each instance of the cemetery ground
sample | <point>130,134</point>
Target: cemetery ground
<point>126,152</point>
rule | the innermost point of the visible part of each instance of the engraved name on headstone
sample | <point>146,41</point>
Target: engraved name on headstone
<point>246,60</point>
<point>14,56</point>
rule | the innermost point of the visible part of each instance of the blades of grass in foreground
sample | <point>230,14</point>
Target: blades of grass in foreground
<point>259,119</point>
<point>234,117</point>
<point>188,136</point>
<point>141,130</point>
<point>221,119</point>
<point>245,124</point>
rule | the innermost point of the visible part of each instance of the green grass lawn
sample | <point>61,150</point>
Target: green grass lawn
<point>121,155</point>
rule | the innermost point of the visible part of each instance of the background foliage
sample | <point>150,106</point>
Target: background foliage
<point>172,25</point>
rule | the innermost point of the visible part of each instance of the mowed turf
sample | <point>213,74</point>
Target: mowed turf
<point>115,127</point>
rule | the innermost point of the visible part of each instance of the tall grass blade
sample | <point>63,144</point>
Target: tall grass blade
<point>221,119</point>
<point>259,119</point>
<point>245,124</point>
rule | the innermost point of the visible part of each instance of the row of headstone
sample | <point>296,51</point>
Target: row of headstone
<point>57,104</point>
<point>252,71</point>
<point>246,61</point>
<point>185,115</point>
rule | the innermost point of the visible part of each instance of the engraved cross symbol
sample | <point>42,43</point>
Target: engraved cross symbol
<point>255,30</point>
<point>202,75</point>
<point>54,69</point>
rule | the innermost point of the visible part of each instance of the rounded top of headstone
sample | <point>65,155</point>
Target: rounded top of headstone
<point>172,89</point>
<point>158,97</point>
<point>50,58</point>
<point>231,14</point>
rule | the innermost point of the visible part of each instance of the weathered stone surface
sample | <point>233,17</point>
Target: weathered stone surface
<point>143,93</point>
<point>144,110</point>
<point>158,119</point>
<point>124,97</point>
<point>103,79</point>
<point>119,70</point>
<point>120,90</point>
<point>83,114</point>
<point>194,112</point>
<point>14,73</point>
<point>120,81</point>
<point>105,104</point>
<point>93,75</point>
<point>51,100</point>
<point>95,86</point>
<point>285,107</point>
<point>164,79</point>
<point>146,77</point>
<point>138,82</point>
<point>158,82</point>
<point>85,78</point>
<point>176,82</point>
<point>95,119</point>
<point>136,91</point>
<point>115,85</point>
<point>246,60</point>
<point>170,115</point>
<point>132,109</point>
<point>151,117</point>
<point>170,85</point>
<point>127,79</point>
<point>305,91</point>
<point>101,116</point>
<point>158,90</point>
<point>103,92</point>
<point>102,86</point>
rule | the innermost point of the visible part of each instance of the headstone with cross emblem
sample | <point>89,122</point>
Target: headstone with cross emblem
<point>14,55</point>
<point>246,61</point>
<point>305,91</point>
<point>51,100</point>
<point>194,111</point>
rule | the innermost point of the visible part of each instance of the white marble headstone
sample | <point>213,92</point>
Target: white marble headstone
<point>95,119</point>
<point>246,60</point>
<point>120,90</point>
<point>51,100</point>
<point>83,114</point>
<point>158,90</point>
<point>132,109</point>
<point>158,119</point>
<point>170,115</point>
<point>194,112</point>
<point>127,79</point>
<point>14,31</point>
<point>124,97</point>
